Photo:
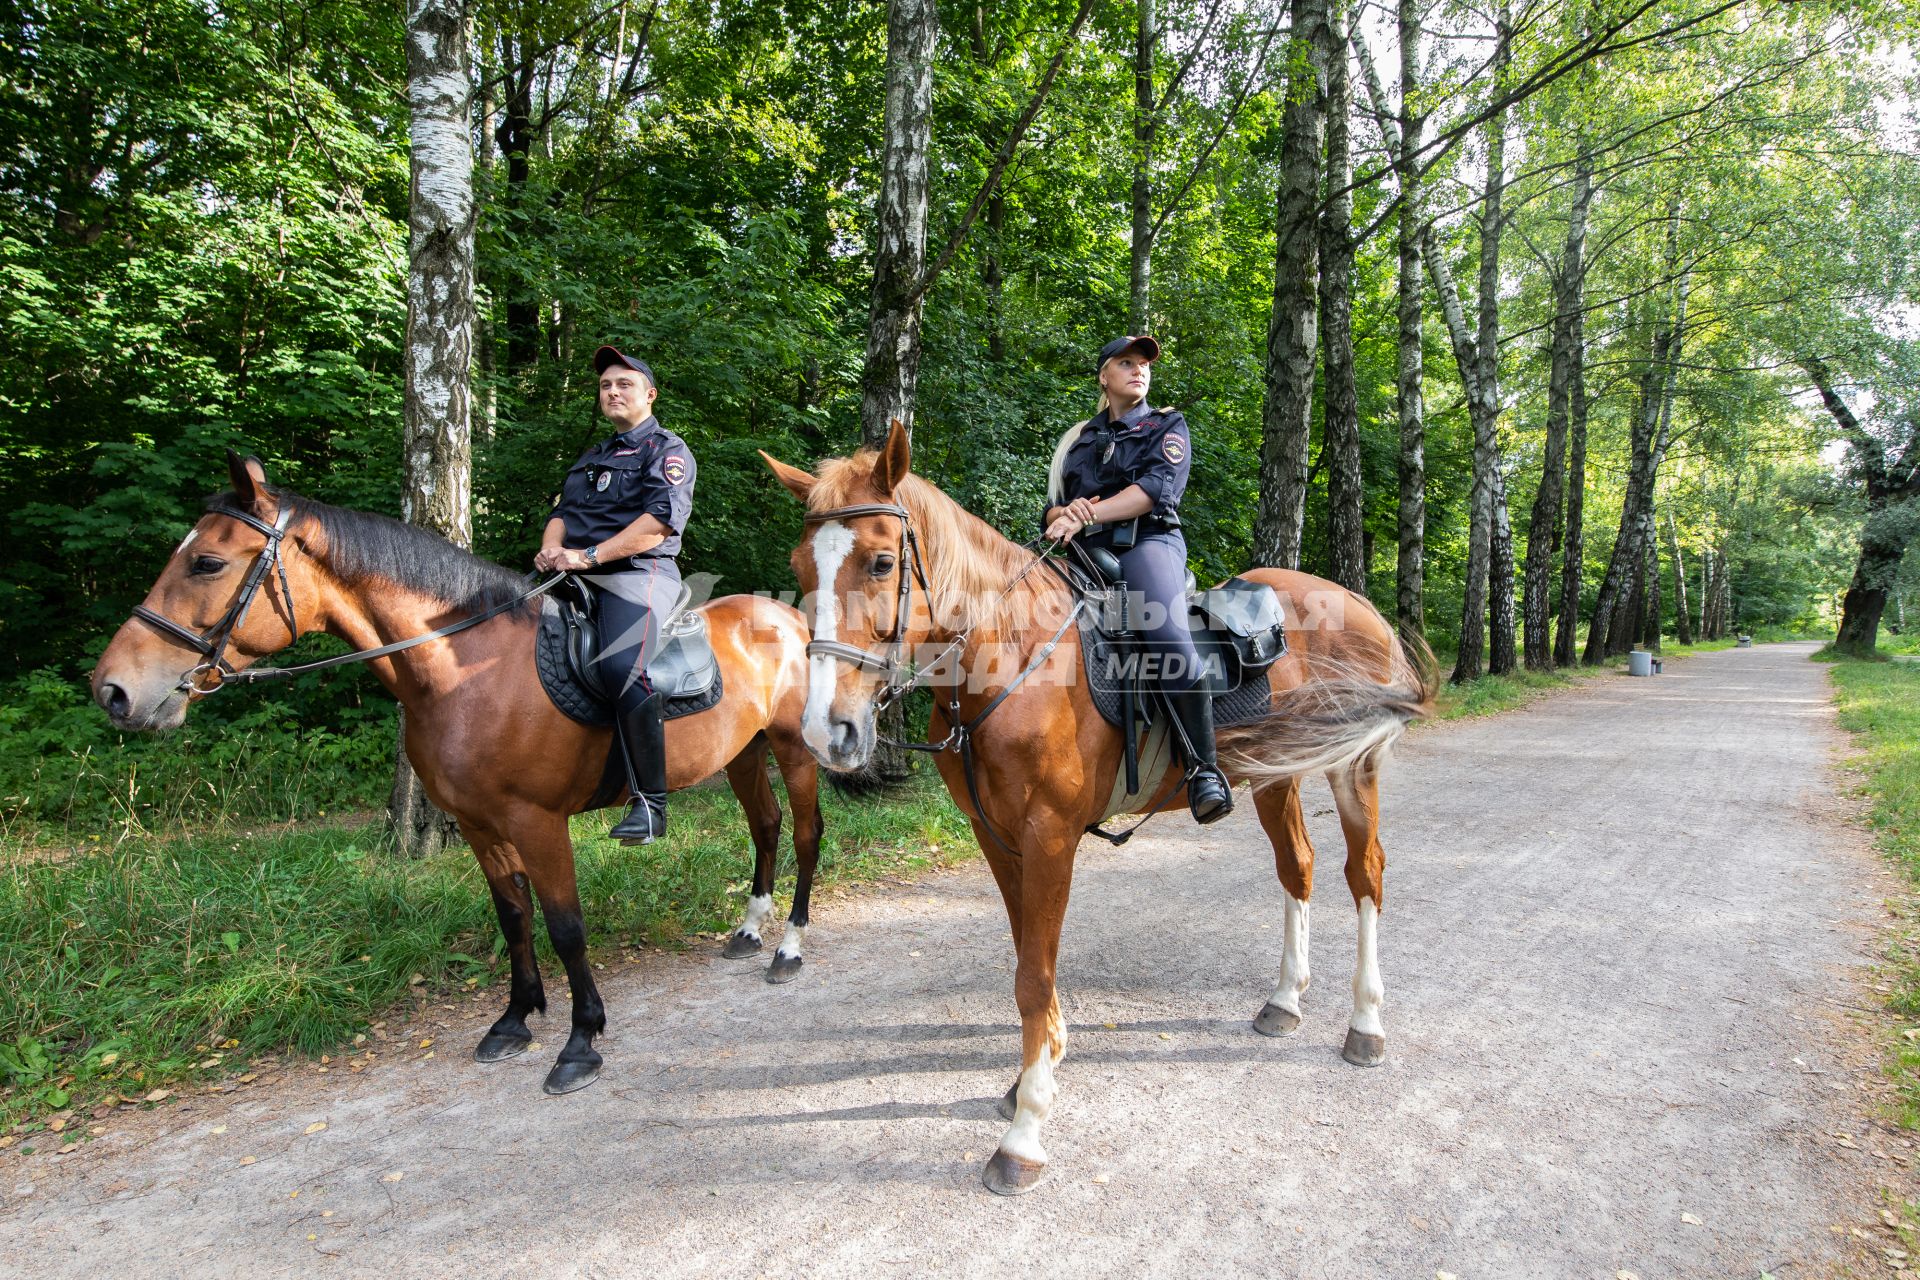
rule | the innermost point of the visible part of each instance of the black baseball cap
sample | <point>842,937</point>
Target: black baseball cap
<point>607,357</point>
<point>1141,343</point>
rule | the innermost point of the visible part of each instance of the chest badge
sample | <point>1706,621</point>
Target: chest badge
<point>1175,448</point>
<point>606,478</point>
<point>675,469</point>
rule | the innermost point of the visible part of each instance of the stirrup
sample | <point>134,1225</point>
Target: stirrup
<point>1208,803</point>
<point>646,821</point>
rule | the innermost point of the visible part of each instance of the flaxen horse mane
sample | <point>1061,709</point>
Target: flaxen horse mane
<point>361,545</point>
<point>969,562</point>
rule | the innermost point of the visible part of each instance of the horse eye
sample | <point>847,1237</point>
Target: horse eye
<point>206,566</point>
<point>882,566</point>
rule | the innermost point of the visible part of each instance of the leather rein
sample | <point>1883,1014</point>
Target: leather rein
<point>902,680</point>
<point>212,643</point>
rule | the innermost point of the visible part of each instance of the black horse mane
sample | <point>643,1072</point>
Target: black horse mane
<point>361,545</point>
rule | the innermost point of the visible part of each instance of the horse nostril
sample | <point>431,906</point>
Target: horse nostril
<point>114,700</point>
<point>843,735</point>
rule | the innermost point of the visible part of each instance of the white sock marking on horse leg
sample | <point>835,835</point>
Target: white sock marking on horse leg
<point>1033,1101</point>
<point>831,543</point>
<point>789,948</point>
<point>1367,991</point>
<point>758,909</point>
<point>1293,959</point>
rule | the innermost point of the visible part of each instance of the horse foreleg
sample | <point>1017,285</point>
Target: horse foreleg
<point>1278,805</point>
<point>549,857</point>
<point>802,776</point>
<point>1356,793</point>
<point>747,776</point>
<point>500,862</point>
<point>1045,874</point>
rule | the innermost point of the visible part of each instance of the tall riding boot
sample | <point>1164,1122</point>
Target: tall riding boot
<point>1207,790</point>
<point>643,741</point>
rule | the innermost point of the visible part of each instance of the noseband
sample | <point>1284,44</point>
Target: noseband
<point>212,644</point>
<point>891,664</point>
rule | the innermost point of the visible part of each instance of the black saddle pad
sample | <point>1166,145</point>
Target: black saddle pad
<point>685,668</point>
<point>1105,665</point>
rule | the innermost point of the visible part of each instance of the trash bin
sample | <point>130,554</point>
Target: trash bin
<point>1656,666</point>
<point>1744,642</point>
<point>1639,663</point>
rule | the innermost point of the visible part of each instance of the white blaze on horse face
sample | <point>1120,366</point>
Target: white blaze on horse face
<point>1293,959</point>
<point>832,542</point>
<point>191,535</point>
<point>1367,991</point>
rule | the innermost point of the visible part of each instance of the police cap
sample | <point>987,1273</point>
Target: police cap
<point>1141,343</point>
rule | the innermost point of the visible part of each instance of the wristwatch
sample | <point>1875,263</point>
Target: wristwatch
<point>593,557</point>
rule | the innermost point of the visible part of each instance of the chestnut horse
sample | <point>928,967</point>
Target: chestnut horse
<point>1044,761</point>
<point>487,743</point>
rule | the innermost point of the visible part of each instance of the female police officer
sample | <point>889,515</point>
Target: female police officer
<point>1117,481</point>
<point>619,520</point>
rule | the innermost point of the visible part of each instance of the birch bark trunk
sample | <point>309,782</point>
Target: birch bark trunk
<point>1573,550</point>
<point>1346,503</point>
<point>438,353</point>
<point>1140,274</point>
<point>1682,621</point>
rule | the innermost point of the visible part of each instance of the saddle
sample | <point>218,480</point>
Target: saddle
<point>1237,631</point>
<point>567,654</point>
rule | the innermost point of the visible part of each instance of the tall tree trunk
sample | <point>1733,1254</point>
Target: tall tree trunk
<point>1140,274</point>
<point>516,139</point>
<point>992,274</point>
<point>1291,332</point>
<point>438,351</point>
<point>900,223</point>
<point>1682,622</point>
<point>1346,498</point>
<point>1543,528</point>
<point>1573,548</point>
<point>1650,632</point>
<point>1501,657</point>
<point>1893,512</point>
<point>1403,143</point>
<point>1630,620</point>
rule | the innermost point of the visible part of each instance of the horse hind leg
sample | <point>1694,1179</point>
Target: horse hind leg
<point>747,776</point>
<point>1356,793</point>
<point>1278,805</point>
<point>802,776</point>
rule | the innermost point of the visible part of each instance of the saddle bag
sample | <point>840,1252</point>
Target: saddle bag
<point>1246,615</point>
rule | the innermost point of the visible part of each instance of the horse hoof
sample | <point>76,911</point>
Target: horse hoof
<point>1010,1103</point>
<point>741,945</point>
<point>1010,1175</point>
<point>1364,1050</point>
<point>784,968</point>
<point>568,1077</point>
<point>1272,1020</point>
<point>495,1047</point>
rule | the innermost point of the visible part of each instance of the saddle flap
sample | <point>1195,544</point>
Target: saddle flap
<point>685,664</point>
<point>1248,615</point>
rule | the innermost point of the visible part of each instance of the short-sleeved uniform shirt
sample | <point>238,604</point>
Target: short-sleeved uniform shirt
<point>1147,447</point>
<point>646,471</point>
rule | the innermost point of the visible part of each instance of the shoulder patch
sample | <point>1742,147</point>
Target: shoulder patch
<point>1174,447</point>
<point>674,467</point>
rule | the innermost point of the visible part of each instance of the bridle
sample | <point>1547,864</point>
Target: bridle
<point>212,643</point>
<point>893,665</point>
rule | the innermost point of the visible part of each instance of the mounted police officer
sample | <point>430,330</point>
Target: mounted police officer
<point>618,523</point>
<point>1116,483</point>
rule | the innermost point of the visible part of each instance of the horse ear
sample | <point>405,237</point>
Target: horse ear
<point>250,483</point>
<point>896,459</point>
<point>798,483</point>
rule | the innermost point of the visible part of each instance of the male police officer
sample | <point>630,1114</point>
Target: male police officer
<point>618,523</point>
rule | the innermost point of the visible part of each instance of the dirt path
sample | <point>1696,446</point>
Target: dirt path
<point>1623,938</point>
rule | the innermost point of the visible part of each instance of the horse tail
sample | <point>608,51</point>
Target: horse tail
<point>1347,714</point>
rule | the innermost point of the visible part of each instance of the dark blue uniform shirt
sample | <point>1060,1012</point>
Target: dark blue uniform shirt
<point>645,471</point>
<point>1147,447</point>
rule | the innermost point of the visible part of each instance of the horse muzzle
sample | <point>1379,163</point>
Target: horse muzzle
<point>140,707</point>
<point>841,743</point>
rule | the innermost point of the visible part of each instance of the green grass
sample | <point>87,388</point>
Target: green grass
<point>159,963</point>
<point>1879,702</point>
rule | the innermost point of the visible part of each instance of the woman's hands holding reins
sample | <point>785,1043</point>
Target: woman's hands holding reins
<point>1071,519</point>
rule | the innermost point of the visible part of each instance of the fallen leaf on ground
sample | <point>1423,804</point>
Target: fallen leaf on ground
<point>427,1043</point>
<point>70,1146</point>
<point>217,1130</point>
<point>108,1059</point>
<point>1690,1219</point>
<point>249,1159</point>
<point>395,1176</point>
<point>159,1095</point>
<point>1166,1035</point>
<point>1625,1275</point>
<point>316,1127</point>
<point>1101,1179</point>
<point>56,1124</point>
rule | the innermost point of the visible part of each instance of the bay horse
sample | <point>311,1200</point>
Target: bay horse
<point>489,746</point>
<point>1043,760</point>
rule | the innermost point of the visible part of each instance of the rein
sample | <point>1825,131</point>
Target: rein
<point>212,644</point>
<point>960,733</point>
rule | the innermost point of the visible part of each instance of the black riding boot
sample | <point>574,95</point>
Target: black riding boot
<point>1207,789</point>
<point>643,741</point>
